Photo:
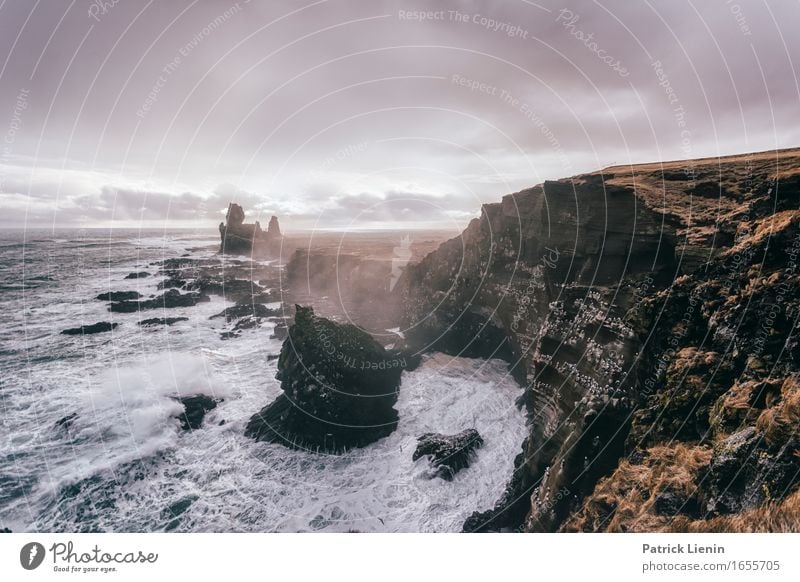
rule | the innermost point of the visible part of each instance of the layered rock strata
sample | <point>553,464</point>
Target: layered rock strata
<point>628,303</point>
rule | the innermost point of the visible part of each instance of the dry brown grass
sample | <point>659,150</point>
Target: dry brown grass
<point>789,158</point>
<point>741,405</point>
<point>625,500</point>
<point>733,408</point>
<point>766,228</point>
<point>782,422</point>
<point>730,173</point>
<point>770,517</point>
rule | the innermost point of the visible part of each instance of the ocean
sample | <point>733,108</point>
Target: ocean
<point>90,440</point>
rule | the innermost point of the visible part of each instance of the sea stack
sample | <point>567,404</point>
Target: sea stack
<point>239,238</point>
<point>339,388</point>
<point>274,229</point>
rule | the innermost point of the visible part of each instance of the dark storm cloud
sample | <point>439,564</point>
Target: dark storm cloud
<point>167,110</point>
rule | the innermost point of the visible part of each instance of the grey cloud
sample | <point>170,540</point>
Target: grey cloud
<point>206,94</point>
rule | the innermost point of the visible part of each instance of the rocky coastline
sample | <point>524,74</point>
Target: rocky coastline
<point>648,313</point>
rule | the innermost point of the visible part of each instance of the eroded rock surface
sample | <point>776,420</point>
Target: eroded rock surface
<point>339,388</point>
<point>240,238</point>
<point>119,296</point>
<point>195,408</point>
<point>448,454</point>
<point>170,299</point>
<point>162,321</point>
<point>640,307</point>
<point>99,327</point>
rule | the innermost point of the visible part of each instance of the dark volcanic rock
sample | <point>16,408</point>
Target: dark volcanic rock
<point>339,385</point>
<point>672,502</point>
<point>162,321</point>
<point>244,323</point>
<point>240,238</point>
<point>248,322</point>
<point>172,282</point>
<point>745,472</point>
<point>66,421</point>
<point>246,310</point>
<point>280,332</point>
<point>448,454</point>
<point>512,507</point>
<point>119,296</point>
<point>137,275</point>
<point>239,290</point>
<point>641,308</point>
<point>88,329</point>
<point>174,511</point>
<point>195,408</point>
<point>172,298</point>
<point>273,228</point>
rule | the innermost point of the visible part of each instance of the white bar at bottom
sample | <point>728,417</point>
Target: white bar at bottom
<point>373,557</point>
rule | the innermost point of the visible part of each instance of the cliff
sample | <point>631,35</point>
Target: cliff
<point>648,312</point>
<point>240,238</point>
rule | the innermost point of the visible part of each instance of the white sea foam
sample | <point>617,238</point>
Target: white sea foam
<point>122,461</point>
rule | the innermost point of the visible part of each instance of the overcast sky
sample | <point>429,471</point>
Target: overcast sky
<point>360,113</point>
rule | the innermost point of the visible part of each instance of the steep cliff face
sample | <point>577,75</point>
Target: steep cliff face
<point>585,285</point>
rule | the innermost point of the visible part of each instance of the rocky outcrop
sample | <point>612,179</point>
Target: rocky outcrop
<point>448,454</point>
<point>240,238</point>
<point>162,321</point>
<point>632,304</point>
<point>170,299</point>
<point>239,290</point>
<point>119,296</point>
<point>273,228</point>
<point>339,388</point>
<point>246,310</point>
<point>195,408</point>
<point>99,327</point>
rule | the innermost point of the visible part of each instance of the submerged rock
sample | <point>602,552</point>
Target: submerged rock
<point>174,511</point>
<point>119,296</point>
<point>248,310</point>
<point>448,453</point>
<point>170,299</point>
<point>162,321</point>
<point>171,282</point>
<point>339,384</point>
<point>99,327</point>
<point>195,408</point>
<point>232,289</point>
<point>65,422</point>
<point>137,275</point>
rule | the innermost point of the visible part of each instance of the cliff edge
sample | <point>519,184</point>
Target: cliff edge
<point>648,312</point>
